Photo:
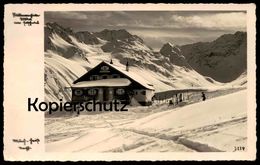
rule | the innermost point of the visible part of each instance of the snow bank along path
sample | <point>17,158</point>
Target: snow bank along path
<point>217,124</point>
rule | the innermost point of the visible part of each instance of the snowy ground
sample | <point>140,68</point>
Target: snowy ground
<point>217,124</point>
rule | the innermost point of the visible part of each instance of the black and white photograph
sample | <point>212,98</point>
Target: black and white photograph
<point>105,82</point>
<point>182,76</point>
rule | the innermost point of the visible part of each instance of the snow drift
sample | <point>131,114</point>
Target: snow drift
<point>217,124</point>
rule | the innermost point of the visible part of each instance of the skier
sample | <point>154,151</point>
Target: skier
<point>203,96</point>
<point>180,97</point>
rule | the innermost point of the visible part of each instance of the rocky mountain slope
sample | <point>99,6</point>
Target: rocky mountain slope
<point>174,54</point>
<point>69,54</point>
<point>223,59</point>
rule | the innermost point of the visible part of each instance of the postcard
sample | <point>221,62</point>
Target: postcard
<point>87,82</point>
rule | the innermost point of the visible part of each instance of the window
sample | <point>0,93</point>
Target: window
<point>104,76</point>
<point>120,91</point>
<point>94,77</point>
<point>78,92</point>
<point>115,76</point>
<point>104,68</point>
<point>92,92</point>
<point>143,92</point>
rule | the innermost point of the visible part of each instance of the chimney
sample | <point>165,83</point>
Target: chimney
<point>127,66</point>
<point>111,62</point>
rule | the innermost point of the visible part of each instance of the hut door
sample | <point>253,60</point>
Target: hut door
<point>105,94</point>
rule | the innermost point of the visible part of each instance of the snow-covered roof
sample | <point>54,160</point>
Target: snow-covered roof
<point>116,82</point>
<point>133,76</point>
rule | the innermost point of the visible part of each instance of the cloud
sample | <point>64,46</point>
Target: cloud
<point>156,37</point>
<point>152,19</point>
<point>230,20</point>
<point>155,27</point>
<point>66,15</point>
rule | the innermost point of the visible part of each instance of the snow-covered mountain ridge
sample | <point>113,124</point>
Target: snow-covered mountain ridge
<point>223,59</point>
<point>69,54</point>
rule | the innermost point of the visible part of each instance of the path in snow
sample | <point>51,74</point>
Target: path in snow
<point>218,124</point>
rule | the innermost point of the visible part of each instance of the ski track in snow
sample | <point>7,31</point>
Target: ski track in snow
<point>144,129</point>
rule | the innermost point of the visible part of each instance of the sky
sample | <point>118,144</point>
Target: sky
<point>155,27</point>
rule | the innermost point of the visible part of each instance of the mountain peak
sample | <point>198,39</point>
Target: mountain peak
<point>113,35</point>
<point>115,31</point>
<point>239,33</point>
<point>53,26</point>
<point>86,37</point>
<point>169,44</point>
<point>173,52</point>
<point>170,48</point>
<point>116,35</point>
